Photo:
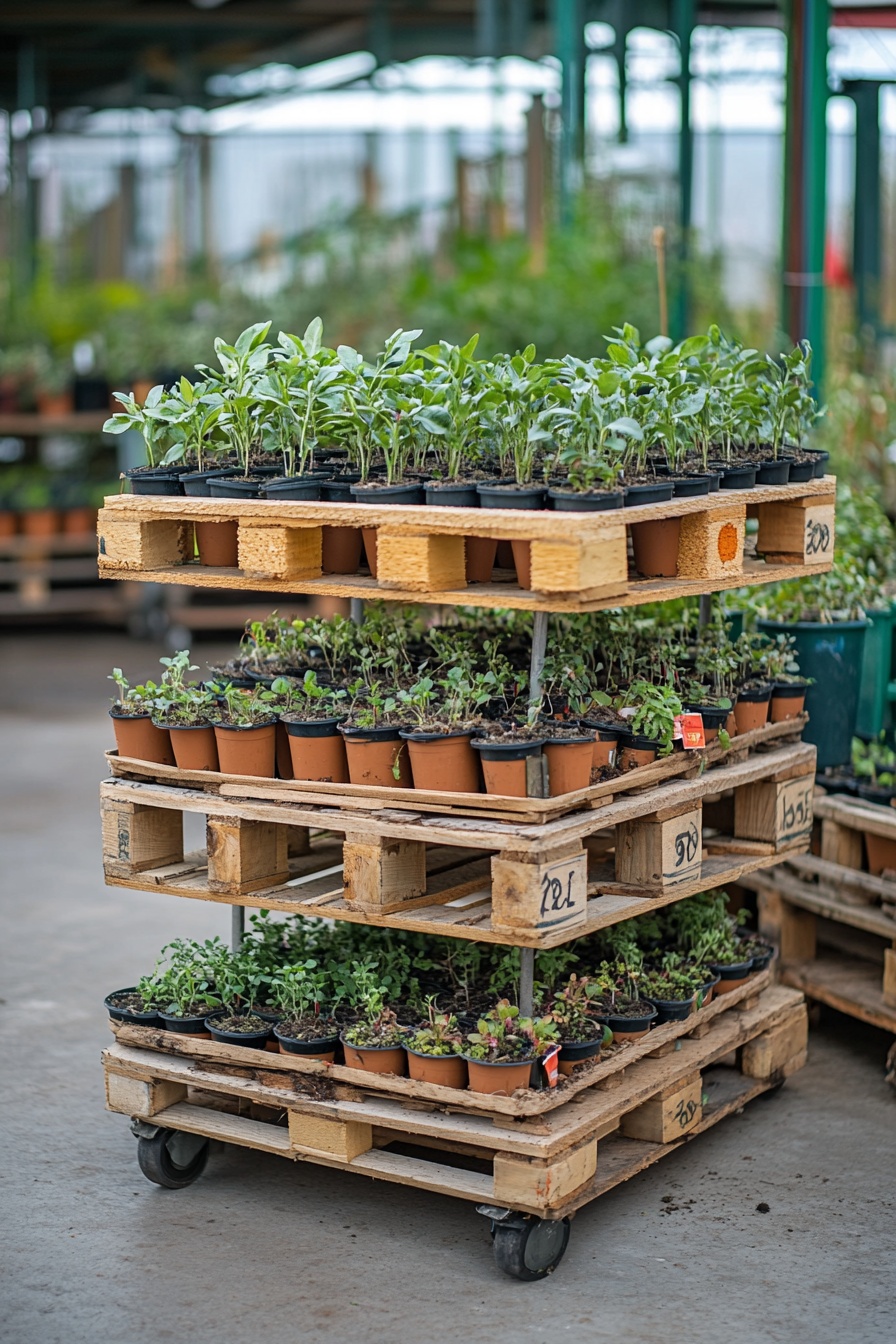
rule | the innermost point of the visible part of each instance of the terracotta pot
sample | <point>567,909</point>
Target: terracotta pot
<point>480,558</point>
<point>655,546</point>
<point>504,555</point>
<point>731,977</point>
<point>788,702</point>
<point>341,551</point>
<point>522,559</point>
<point>324,1048</point>
<point>138,737</point>
<point>604,748</point>
<point>8,523</point>
<point>575,1053</point>
<point>375,1059</point>
<point>751,709</point>
<point>620,1034</point>
<point>284,757</point>
<point>55,405</point>
<point>372,757</point>
<point>195,748</point>
<point>369,535</point>
<point>498,1079</point>
<point>217,544</point>
<point>446,1070</point>
<point>504,767</point>
<point>78,522</point>
<point>247,751</point>
<point>881,853</point>
<point>569,765</point>
<point>445,763</point>
<point>631,756</point>
<point>317,751</point>
<point>39,522</point>
<point>731,724</point>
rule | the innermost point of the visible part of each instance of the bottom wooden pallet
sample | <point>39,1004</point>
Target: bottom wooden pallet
<point>513,1169</point>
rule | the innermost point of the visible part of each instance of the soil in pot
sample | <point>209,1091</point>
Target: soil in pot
<point>191,1023</point>
<point>195,748</point>
<point>586,501</point>
<point>317,750</point>
<point>377,756</point>
<point>575,1053</point>
<point>375,1058</point>
<point>247,751</point>
<point>239,1029</point>
<point>788,699</point>
<point>751,708</point>
<point>443,762</point>
<point>881,854</point>
<point>139,738</point>
<point>570,761</point>
<point>655,547</point>
<point>446,1070</point>
<point>504,765</point>
<point>217,544</point>
<point>635,751</point>
<point>731,976</point>
<point>498,1079</point>
<point>126,1005</point>
<point>631,1021</point>
<point>311,1037</point>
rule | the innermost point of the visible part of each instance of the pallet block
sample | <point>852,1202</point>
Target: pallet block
<point>143,543</point>
<point>841,844</point>
<point>337,1138</point>
<point>670,1115</point>
<point>280,552</point>
<point>711,544</point>
<point>136,1096</point>
<point>765,1055</point>
<point>526,1182</point>
<point>595,567</point>
<point>425,561</point>
<point>382,875</point>
<point>777,812</point>
<point>540,894</point>
<point>138,837</point>
<point>244,856</point>
<point>797,532</point>
<point>661,850</point>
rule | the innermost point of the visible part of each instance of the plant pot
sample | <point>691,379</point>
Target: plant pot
<point>801,471</point>
<point>282,754</point>
<point>713,716</point>
<point>762,960</point>
<point>78,521</point>
<point>788,698</point>
<point>185,1026</point>
<point>251,1040</point>
<point>655,547</point>
<point>150,1019</point>
<point>247,751</point>
<point>655,493</point>
<point>574,1053</point>
<point>686,487</point>
<point>879,794</point>
<point>444,1070</point>
<point>581,501</point>
<point>8,523</point>
<point>732,976</point>
<point>635,751</point>
<point>706,991</point>
<point>874,703</point>
<point>227,487</point>
<point>324,1048</point>
<point>522,562</point>
<point>317,750</point>
<point>39,522</point>
<point>881,854</point>
<point>672,1010</point>
<point>605,747</point>
<point>138,737</point>
<point>195,747</point>
<point>498,1079</point>
<point>751,708</point>
<point>375,1058</point>
<point>374,754</point>
<point>443,762</point>
<point>569,764</point>
<point>452,494</point>
<point>480,555</point>
<point>341,549</point>
<point>388,494</point>
<point>498,495</point>
<point>504,766</point>
<point>820,458</point>
<point>774,472</point>
<point>217,544</point>
<point>738,478</point>
<point>55,405</point>
<point>292,487</point>
<point>154,482</point>
<point>196,483</point>
<point>631,1028</point>
<point>831,654</point>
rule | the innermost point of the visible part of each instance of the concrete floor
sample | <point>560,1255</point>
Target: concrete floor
<point>288,1252</point>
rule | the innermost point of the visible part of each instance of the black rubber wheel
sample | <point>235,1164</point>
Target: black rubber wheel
<point>172,1158</point>
<point>530,1251</point>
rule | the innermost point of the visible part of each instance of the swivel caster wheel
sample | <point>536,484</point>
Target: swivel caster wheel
<point>529,1248</point>
<point>171,1158</point>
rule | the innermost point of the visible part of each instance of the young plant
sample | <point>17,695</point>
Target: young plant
<point>440,1034</point>
<point>656,708</point>
<point>502,1036</point>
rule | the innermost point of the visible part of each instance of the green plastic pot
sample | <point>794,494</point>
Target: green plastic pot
<point>876,673</point>
<point>831,655</point>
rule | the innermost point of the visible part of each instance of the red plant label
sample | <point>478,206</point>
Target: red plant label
<point>689,730</point>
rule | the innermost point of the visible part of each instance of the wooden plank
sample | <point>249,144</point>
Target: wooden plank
<point>858,815</point>
<point>382,874</point>
<point>827,900</point>
<point>797,531</point>
<point>137,837</point>
<point>841,845</point>
<point>889,986</point>
<point>778,812</point>
<point>237,1129</point>
<point>848,984</point>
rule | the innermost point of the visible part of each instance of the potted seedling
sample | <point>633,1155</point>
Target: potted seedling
<point>754,691</point>
<point>242,414</point>
<point>672,991</point>
<point>783,670</point>
<point>375,1042</point>
<point>187,713</point>
<point>136,736</point>
<point>581,1034</point>
<point>303,1027</point>
<point>445,713</point>
<point>245,733</point>
<point>317,750</point>
<point>238,980</point>
<point>434,1049</point>
<point>373,745</point>
<point>138,1005</point>
<point>184,989</point>
<point>652,722</point>
<point>151,420</point>
<point>709,935</point>
<point>302,389</point>
<point>501,1051</point>
<point>629,1014</point>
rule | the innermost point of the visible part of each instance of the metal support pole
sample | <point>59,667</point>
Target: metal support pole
<point>356,610</point>
<point>866,243</point>
<point>527,981</point>
<point>568,17</point>
<point>539,649</point>
<point>237,926</point>
<point>705,608</point>
<point>683,12</point>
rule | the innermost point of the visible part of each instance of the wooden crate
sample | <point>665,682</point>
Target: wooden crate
<point>578,561</point>
<point>524,884</point>
<point>547,1168</point>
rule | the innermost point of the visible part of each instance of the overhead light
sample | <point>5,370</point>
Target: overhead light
<point>207,4</point>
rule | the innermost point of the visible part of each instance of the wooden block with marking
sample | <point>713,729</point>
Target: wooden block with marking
<point>382,875</point>
<point>425,562</point>
<point>336,1138</point>
<point>543,1184</point>
<point>245,856</point>
<point>801,532</point>
<point>142,543</point>
<point>593,566</point>
<point>660,850</point>
<point>766,1054</point>
<point>136,837</point>
<point>131,1096</point>
<point>280,552</point>
<point>670,1115</point>
<point>547,893</point>
<point>776,811</point>
<point>711,544</point>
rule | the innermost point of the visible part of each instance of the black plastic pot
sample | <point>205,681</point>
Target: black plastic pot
<point>713,715</point>
<point>761,960</point>
<point>715,480</point>
<point>801,471</point>
<point>151,1019</point>
<point>708,985</point>
<point>756,695</point>
<point>388,494</point>
<point>384,734</point>
<point>834,783</point>
<point>774,473</point>
<point>573,1052</point>
<point>196,483</point>
<point>318,1047</point>
<point>338,489</point>
<point>735,970</point>
<point>312,727</point>
<point>655,493</point>
<point>252,1040</point>
<point>292,487</point>
<point>452,495</point>
<point>154,482</point>
<point>820,457</point>
<point>875,793</point>
<point>578,501</point>
<point>687,486</point>
<point>638,742</point>
<point>233,489</point>
<point>738,478</point>
<point>604,733</point>
<point>672,1010</point>
<point>789,690</point>
<point>493,496</point>
<point>183,1026</point>
<point>506,751</point>
<point>620,1024</point>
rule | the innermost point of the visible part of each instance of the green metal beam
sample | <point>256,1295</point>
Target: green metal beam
<point>568,18</point>
<point>866,241</point>
<point>683,21</point>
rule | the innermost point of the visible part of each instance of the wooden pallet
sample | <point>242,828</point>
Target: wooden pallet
<point>482,805</point>
<point>53,575</point>
<point>536,885</point>
<point>575,1154</point>
<point>858,840</point>
<point>578,562</point>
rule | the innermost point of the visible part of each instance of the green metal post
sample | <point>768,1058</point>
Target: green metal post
<point>683,20</point>
<point>569,40</point>
<point>866,241</point>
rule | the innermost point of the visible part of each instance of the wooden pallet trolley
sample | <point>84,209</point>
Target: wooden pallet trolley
<point>468,866</point>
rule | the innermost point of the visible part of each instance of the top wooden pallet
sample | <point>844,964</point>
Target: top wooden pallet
<point>576,561</point>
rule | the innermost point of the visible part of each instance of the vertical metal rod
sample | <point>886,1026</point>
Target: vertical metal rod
<point>357,610</point>
<point>527,981</point>
<point>237,926</point>
<point>539,648</point>
<point>705,608</point>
